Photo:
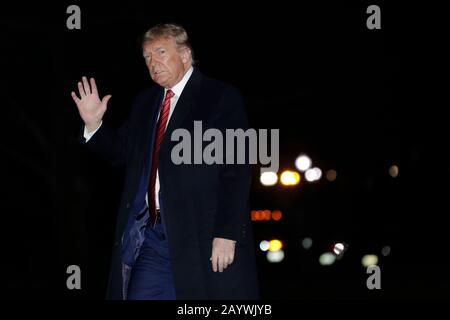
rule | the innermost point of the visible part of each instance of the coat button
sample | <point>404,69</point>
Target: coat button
<point>244,230</point>
<point>128,205</point>
<point>116,243</point>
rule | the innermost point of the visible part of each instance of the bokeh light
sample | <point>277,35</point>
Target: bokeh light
<point>290,178</point>
<point>268,178</point>
<point>303,163</point>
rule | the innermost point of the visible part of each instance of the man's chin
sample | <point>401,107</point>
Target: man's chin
<point>160,81</point>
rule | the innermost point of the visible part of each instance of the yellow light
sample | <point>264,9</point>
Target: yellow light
<point>290,178</point>
<point>275,245</point>
<point>369,260</point>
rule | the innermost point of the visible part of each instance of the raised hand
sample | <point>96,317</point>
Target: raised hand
<point>89,105</point>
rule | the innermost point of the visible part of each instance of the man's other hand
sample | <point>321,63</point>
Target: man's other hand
<point>222,253</point>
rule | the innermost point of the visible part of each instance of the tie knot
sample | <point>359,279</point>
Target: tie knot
<point>169,94</point>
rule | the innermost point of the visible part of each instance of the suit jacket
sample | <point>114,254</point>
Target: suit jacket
<point>198,201</point>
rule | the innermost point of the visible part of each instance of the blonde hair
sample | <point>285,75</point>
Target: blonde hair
<point>169,30</point>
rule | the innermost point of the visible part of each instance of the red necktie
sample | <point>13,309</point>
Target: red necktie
<point>160,130</point>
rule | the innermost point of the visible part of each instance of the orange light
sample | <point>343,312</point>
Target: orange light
<point>277,215</point>
<point>266,215</point>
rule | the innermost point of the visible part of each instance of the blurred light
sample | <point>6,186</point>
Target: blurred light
<point>275,256</point>
<point>393,171</point>
<point>268,178</point>
<point>258,215</point>
<point>313,174</point>
<point>290,178</point>
<point>369,260</point>
<point>327,259</point>
<point>386,251</point>
<point>264,245</point>
<point>310,175</point>
<point>261,215</point>
<point>275,245</point>
<point>307,243</point>
<point>277,215</point>
<point>331,175</point>
<point>303,163</point>
<point>338,248</point>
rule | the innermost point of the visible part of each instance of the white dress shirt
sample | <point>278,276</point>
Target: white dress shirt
<point>177,90</point>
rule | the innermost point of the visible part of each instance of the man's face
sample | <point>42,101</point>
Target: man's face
<point>166,62</point>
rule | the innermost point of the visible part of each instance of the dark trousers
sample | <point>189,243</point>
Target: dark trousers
<point>151,276</point>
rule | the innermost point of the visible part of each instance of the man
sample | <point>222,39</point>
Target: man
<point>183,231</point>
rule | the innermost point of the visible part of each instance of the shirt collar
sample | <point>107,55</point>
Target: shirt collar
<point>178,88</point>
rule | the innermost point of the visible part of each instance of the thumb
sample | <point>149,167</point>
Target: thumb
<point>106,99</point>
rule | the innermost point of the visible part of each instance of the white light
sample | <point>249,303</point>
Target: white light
<point>338,248</point>
<point>268,178</point>
<point>303,163</point>
<point>310,175</point>
<point>264,245</point>
<point>369,260</point>
<point>386,251</point>
<point>313,174</point>
<point>318,173</point>
<point>275,256</point>
<point>307,243</point>
<point>327,259</point>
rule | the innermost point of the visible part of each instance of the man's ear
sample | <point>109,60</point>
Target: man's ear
<point>185,55</point>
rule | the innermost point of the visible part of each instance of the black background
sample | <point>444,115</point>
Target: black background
<point>345,95</point>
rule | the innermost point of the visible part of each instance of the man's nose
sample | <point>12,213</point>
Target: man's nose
<point>152,64</point>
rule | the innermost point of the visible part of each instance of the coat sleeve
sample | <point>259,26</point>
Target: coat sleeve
<point>234,179</point>
<point>108,143</point>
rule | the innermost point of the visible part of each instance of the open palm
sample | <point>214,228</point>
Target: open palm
<point>89,105</point>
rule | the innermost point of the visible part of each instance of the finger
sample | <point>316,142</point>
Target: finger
<point>81,90</point>
<point>220,263</point>
<point>94,87</point>
<point>106,99</point>
<point>225,262</point>
<point>74,97</point>
<point>231,259</point>
<point>87,88</point>
<point>214,263</point>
